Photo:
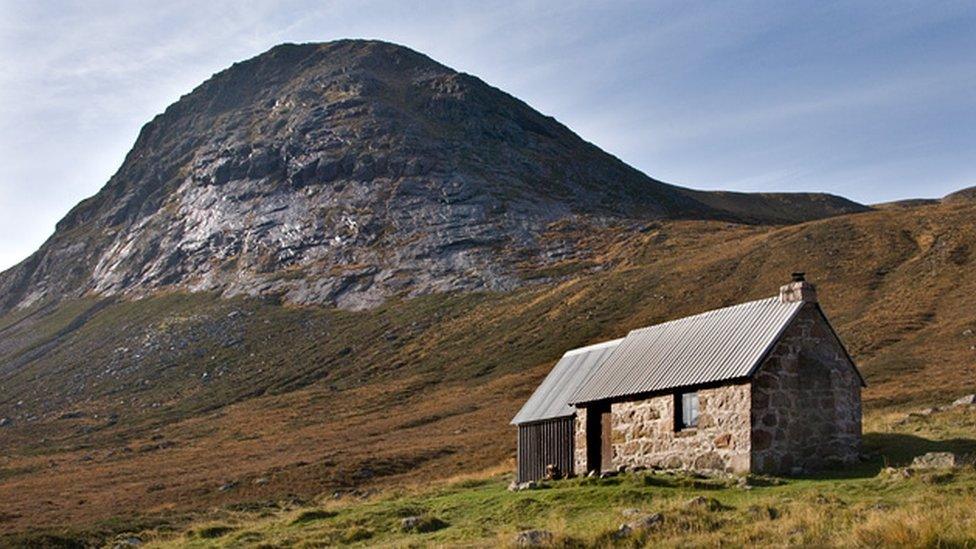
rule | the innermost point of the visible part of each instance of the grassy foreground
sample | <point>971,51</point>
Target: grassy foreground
<point>870,506</point>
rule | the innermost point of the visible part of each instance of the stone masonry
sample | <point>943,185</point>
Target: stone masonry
<point>806,401</point>
<point>644,433</point>
<point>579,444</point>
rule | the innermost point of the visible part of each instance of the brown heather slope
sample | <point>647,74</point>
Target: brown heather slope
<point>311,400</point>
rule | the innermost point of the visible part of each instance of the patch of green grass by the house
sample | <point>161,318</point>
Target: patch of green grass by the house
<point>882,510</point>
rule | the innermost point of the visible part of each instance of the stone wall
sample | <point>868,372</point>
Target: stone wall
<point>579,444</point>
<point>644,434</point>
<point>806,401</point>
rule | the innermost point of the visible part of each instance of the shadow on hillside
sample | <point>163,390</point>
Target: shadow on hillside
<point>899,448</point>
<point>896,450</point>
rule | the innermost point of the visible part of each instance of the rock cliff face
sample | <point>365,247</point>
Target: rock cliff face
<point>347,172</point>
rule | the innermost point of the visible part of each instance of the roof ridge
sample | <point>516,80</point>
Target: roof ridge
<point>707,313</point>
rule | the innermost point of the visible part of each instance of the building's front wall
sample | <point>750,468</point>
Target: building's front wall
<point>643,432</point>
<point>806,401</point>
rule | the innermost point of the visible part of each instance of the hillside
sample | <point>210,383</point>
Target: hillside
<point>349,172</point>
<point>962,196</point>
<point>342,267</point>
<point>302,401</point>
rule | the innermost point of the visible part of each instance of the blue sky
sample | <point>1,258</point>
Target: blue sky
<point>870,100</point>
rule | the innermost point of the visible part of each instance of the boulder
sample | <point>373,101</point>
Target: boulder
<point>533,538</point>
<point>904,472</point>
<point>936,460</point>
<point>127,540</point>
<point>422,524</point>
<point>642,524</point>
<point>968,400</point>
<point>646,522</point>
<point>924,412</point>
<point>702,502</point>
<point>520,486</point>
<point>624,531</point>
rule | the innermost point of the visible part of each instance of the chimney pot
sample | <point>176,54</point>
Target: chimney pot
<point>798,290</point>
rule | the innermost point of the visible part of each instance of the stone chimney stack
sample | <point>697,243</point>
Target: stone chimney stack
<point>798,290</point>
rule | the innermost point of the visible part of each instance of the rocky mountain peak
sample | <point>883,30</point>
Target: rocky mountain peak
<point>344,173</point>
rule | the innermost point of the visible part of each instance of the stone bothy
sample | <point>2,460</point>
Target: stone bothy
<point>761,387</point>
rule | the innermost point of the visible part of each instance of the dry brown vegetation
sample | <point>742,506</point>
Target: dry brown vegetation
<point>313,401</point>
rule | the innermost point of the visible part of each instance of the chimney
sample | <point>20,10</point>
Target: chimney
<point>798,290</point>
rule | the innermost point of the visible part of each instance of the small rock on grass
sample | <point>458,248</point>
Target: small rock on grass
<point>643,524</point>
<point>623,532</point>
<point>422,524</point>
<point>520,486</point>
<point>702,502</point>
<point>646,522</point>
<point>967,400</point>
<point>936,460</point>
<point>125,541</point>
<point>533,538</point>
<point>924,412</point>
<point>904,472</point>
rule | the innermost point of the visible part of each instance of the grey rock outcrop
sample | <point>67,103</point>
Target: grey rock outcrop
<point>936,460</point>
<point>348,172</point>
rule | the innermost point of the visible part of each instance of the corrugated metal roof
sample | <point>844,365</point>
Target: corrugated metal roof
<point>715,346</point>
<point>551,399</point>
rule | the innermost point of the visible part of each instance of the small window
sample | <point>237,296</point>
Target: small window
<point>685,411</point>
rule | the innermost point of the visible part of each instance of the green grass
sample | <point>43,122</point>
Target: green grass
<point>589,511</point>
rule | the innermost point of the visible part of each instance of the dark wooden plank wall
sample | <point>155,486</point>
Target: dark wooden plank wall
<point>544,443</point>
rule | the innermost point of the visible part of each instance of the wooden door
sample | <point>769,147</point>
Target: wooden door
<point>606,444</point>
<point>599,452</point>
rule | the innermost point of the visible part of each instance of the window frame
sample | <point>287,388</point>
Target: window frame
<point>681,423</point>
